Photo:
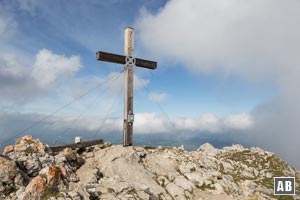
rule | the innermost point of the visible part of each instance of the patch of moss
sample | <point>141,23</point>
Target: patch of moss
<point>167,147</point>
<point>181,151</point>
<point>110,190</point>
<point>178,170</point>
<point>205,186</point>
<point>149,147</point>
<point>266,182</point>
<point>50,192</point>
<point>270,163</point>
<point>283,197</point>
<point>29,150</point>
<point>132,191</point>
<point>237,156</point>
<point>193,169</point>
<point>237,177</point>
<point>29,142</point>
<point>160,196</point>
<point>273,164</point>
<point>227,191</point>
<point>163,183</point>
<point>297,180</point>
<point>43,176</point>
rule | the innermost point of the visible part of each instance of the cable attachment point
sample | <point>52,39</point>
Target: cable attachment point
<point>130,60</point>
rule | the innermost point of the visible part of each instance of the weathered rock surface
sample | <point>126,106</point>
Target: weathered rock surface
<point>11,177</point>
<point>114,172</point>
<point>30,154</point>
<point>29,169</point>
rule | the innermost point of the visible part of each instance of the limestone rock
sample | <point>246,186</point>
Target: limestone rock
<point>125,163</point>
<point>28,144</point>
<point>34,189</point>
<point>74,195</point>
<point>28,153</point>
<point>11,176</point>
<point>208,150</point>
<point>175,190</point>
<point>115,172</point>
<point>184,183</point>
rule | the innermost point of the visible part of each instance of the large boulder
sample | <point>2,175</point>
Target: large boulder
<point>122,169</point>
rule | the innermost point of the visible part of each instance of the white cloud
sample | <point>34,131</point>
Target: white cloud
<point>207,122</point>
<point>254,40</point>
<point>21,82</point>
<point>239,121</point>
<point>215,124</point>
<point>235,37</point>
<point>146,123</point>
<point>49,67</point>
<point>151,123</point>
<point>157,97</point>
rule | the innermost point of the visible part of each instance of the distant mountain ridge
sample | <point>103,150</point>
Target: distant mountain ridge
<point>29,171</point>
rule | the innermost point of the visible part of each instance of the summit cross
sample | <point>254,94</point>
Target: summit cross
<point>129,61</point>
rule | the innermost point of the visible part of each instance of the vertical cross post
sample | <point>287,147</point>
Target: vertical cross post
<point>130,61</point>
<point>128,90</point>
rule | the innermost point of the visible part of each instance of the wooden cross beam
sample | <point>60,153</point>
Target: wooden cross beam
<point>130,61</point>
<point>115,58</point>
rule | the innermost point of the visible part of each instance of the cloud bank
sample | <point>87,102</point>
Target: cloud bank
<point>258,41</point>
<point>145,123</point>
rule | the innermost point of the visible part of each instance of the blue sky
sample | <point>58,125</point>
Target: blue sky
<point>82,28</point>
<point>222,67</point>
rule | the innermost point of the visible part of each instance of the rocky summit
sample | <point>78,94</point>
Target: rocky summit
<point>30,171</point>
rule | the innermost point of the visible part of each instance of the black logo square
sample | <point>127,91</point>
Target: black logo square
<point>284,185</point>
